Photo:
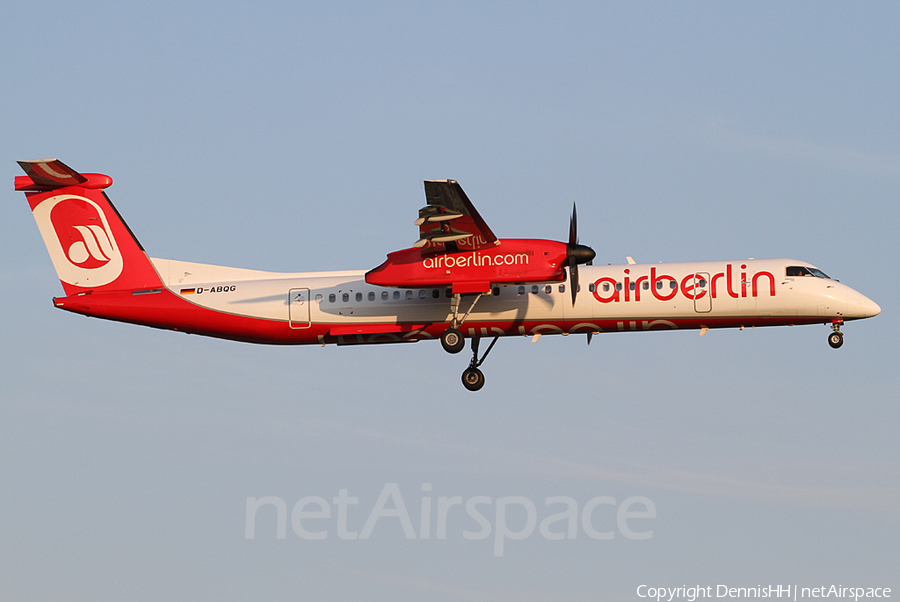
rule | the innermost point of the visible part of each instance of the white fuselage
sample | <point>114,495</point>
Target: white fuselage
<point>709,294</point>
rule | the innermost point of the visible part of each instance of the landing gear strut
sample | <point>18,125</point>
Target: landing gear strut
<point>836,339</point>
<point>452,339</point>
<point>472,377</point>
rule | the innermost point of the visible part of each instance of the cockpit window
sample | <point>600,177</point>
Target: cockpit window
<point>799,270</point>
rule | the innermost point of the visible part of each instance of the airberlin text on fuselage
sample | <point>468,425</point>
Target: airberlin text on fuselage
<point>475,260</point>
<point>693,286</point>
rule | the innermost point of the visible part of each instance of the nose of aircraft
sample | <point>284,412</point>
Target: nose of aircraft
<point>869,308</point>
<point>860,306</point>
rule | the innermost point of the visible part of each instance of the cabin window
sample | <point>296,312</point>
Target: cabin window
<point>632,286</point>
<point>659,285</point>
<point>548,289</point>
<point>606,287</point>
<point>521,290</point>
<point>435,294</point>
<point>562,288</point>
<point>673,285</point>
<point>318,298</point>
<point>645,285</point>
<point>702,283</point>
<point>409,295</point>
<point>331,298</point>
<point>345,297</point>
<point>592,287</point>
<point>396,295</point>
<point>371,295</point>
<point>384,295</point>
<point>358,297</point>
<point>494,291</point>
<point>618,286</point>
<point>534,289</point>
<point>421,294</point>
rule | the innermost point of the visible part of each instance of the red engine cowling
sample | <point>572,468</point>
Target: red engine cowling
<point>512,261</point>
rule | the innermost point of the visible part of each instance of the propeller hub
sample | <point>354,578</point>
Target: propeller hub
<point>578,254</point>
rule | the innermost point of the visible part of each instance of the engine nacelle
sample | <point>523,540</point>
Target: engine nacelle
<point>512,261</point>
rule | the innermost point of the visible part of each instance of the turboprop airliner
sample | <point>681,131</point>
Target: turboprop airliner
<point>458,281</point>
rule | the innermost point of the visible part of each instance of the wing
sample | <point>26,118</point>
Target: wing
<point>449,222</point>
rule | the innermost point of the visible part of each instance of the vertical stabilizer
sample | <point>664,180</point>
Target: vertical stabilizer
<point>90,245</point>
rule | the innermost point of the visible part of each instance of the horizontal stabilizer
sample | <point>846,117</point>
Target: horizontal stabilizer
<point>51,173</point>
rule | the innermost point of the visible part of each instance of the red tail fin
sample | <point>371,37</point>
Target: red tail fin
<point>91,246</point>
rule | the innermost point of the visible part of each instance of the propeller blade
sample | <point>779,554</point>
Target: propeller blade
<point>573,227</point>
<point>589,337</point>
<point>576,253</point>
<point>573,277</point>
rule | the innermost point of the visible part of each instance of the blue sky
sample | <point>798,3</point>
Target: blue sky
<point>294,137</point>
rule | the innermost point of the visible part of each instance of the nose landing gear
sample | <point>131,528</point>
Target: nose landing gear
<point>836,338</point>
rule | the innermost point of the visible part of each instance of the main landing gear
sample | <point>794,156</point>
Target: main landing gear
<point>452,339</point>
<point>472,377</point>
<point>836,338</point>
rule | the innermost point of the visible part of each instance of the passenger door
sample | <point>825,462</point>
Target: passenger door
<point>702,295</point>
<point>298,307</point>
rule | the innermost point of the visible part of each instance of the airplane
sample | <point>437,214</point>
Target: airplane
<point>458,281</point>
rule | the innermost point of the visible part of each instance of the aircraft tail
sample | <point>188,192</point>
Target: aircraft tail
<point>91,246</point>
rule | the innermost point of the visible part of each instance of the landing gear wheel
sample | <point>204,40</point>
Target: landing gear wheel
<point>472,379</point>
<point>835,339</point>
<point>452,340</point>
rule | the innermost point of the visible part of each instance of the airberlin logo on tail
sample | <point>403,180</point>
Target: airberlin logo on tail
<point>93,251</point>
<point>79,239</point>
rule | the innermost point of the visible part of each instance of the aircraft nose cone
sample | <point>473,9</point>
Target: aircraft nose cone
<point>580,253</point>
<point>870,308</point>
<point>859,306</point>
